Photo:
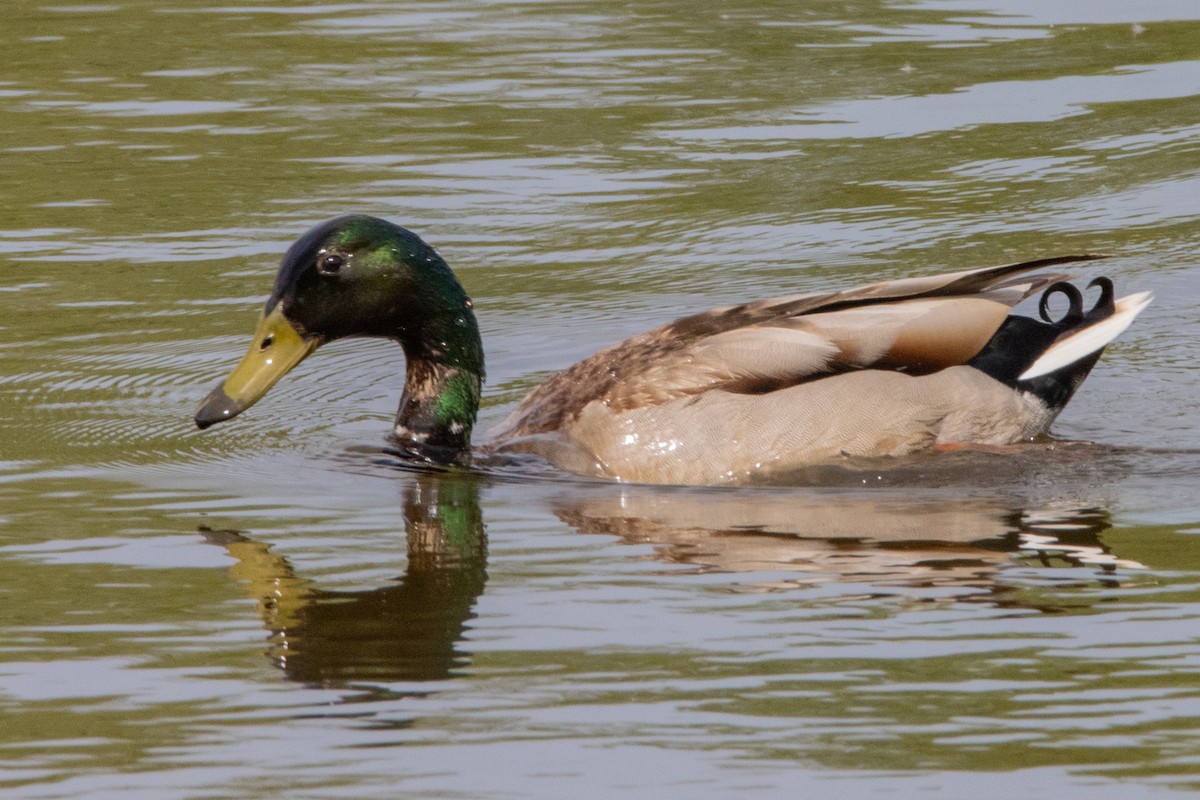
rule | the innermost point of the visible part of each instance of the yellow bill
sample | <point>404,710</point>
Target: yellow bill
<point>276,348</point>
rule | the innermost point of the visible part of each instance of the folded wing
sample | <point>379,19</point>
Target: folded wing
<point>916,325</point>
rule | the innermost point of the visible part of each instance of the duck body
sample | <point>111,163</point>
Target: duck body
<point>728,437</point>
<point>722,396</point>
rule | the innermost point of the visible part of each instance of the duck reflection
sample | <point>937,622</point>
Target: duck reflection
<point>961,520</point>
<point>855,537</point>
<point>406,631</point>
<point>872,541</point>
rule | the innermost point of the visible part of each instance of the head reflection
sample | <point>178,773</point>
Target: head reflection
<point>405,631</point>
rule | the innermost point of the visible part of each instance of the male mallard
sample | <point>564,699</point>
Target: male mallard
<point>881,370</point>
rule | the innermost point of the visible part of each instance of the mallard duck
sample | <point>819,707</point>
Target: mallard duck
<point>888,369</point>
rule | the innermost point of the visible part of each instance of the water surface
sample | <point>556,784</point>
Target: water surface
<point>278,608</point>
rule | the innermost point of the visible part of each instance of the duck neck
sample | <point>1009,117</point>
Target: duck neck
<point>442,387</point>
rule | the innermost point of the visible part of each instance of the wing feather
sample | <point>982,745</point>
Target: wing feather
<point>759,358</point>
<point>918,335</point>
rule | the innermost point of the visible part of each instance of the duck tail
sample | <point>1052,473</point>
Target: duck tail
<point>1050,358</point>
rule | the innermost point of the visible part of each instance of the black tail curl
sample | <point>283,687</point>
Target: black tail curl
<point>1075,315</point>
<point>1020,341</point>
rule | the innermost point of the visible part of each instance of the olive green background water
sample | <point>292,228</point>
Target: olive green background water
<point>275,608</point>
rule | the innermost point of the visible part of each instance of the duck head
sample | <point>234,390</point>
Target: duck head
<point>364,276</point>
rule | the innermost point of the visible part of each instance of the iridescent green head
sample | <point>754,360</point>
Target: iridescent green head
<point>364,276</point>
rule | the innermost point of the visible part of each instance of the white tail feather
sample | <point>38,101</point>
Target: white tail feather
<point>1084,342</point>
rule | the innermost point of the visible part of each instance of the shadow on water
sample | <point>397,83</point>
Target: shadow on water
<point>922,532</point>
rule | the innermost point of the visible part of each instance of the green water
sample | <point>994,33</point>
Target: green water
<point>276,608</point>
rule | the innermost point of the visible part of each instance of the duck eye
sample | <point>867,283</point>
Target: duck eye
<point>330,263</point>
